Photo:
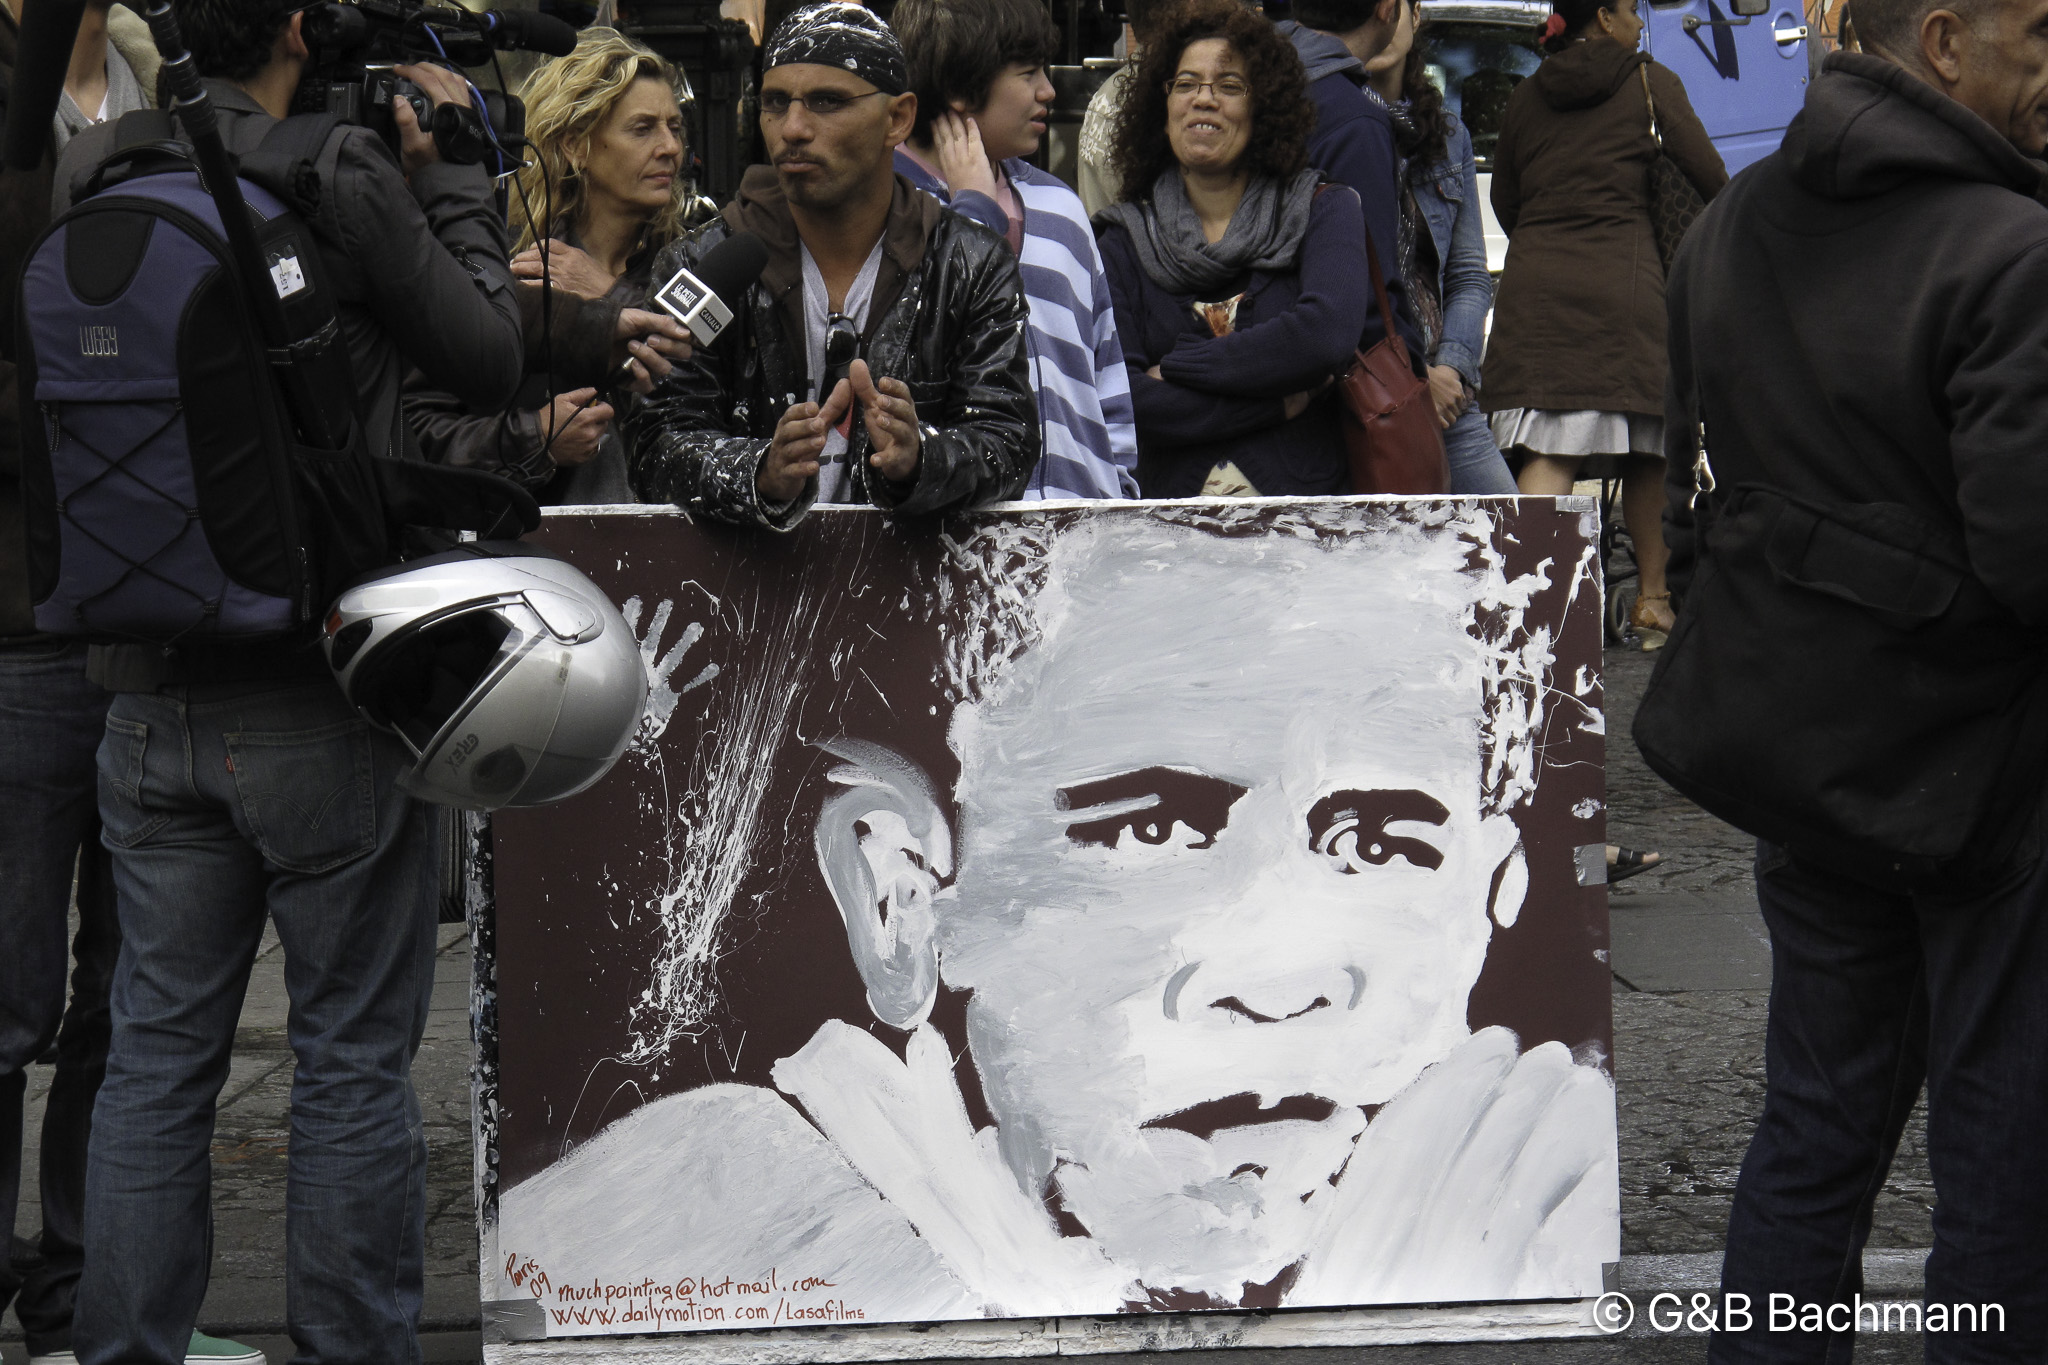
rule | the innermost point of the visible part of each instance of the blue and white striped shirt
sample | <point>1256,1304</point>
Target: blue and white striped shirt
<point>1077,363</point>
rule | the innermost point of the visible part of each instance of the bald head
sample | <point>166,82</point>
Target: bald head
<point>1891,28</point>
<point>1990,56</point>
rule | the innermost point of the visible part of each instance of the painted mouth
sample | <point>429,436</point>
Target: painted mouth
<point>1211,1117</point>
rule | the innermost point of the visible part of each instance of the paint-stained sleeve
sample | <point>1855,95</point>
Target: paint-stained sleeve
<point>690,441</point>
<point>982,443</point>
<point>1314,338</point>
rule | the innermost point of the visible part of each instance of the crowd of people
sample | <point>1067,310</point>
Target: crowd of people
<point>939,325</point>
<point>1182,336</point>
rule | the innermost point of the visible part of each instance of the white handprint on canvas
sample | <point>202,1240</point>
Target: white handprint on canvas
<point>661,695</point>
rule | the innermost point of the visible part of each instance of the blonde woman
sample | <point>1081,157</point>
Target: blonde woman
<point>603,190</point>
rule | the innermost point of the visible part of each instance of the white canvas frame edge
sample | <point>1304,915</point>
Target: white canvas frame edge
<point>1037,1337</point>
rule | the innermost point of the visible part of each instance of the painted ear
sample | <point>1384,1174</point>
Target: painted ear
<point>1510,887</point>
<point>887,854</point>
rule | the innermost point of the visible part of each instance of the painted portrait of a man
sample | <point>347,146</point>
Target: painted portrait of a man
<point>1233,827</point>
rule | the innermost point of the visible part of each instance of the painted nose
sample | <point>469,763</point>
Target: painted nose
<point>1199,992</point>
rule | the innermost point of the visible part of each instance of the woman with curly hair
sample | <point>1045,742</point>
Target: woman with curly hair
<point>1241,289</point>
<point>1442,251</point>
<point>602,192</point>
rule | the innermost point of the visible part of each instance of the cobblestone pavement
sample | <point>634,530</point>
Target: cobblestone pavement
<point>1689,1063</point>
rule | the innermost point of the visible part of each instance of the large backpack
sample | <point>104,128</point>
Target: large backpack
<point>196,481</point>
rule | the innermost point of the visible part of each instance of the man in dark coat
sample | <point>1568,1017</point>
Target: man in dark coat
<point>1858,321</point>
<point>916,315</point>
<point>1353,141</point>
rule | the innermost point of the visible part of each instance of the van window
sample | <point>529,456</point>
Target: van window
<point>1478,66</point>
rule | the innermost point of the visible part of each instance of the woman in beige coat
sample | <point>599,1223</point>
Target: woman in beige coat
<point>1575,367</point>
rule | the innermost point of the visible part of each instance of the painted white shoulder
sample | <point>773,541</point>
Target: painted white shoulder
<point>724,1183</point>
<point>904,1126</point>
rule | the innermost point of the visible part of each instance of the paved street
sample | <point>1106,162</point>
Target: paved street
<point>1691,976</point>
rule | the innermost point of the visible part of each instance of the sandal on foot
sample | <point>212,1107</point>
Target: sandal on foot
<point>1626,862</point>
<point>1653,627</point>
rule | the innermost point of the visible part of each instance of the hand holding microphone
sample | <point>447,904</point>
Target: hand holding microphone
<point>702,305</point>
<point>652,344</point>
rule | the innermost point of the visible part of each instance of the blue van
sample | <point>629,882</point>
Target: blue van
<point>1745,70</point>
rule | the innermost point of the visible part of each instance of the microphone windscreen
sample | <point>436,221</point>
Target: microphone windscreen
<point>730,267</point>
<point>531,32</point>
<point>42,56</point>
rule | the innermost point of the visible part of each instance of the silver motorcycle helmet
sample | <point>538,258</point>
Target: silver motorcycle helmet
<point>509,676</point>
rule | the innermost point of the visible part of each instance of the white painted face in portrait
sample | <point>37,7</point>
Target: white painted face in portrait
<point>1224,880</point>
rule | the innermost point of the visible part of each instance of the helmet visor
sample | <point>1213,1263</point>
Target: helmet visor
<point>415,685</point>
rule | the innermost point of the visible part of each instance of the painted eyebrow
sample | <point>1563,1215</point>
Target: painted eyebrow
<point>1197,799</point>
<point>1369,813</point>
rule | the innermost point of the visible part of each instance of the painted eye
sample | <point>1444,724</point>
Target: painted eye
<point>1154,803</point>
<point>1144,827</point>
<point>1350,829</point>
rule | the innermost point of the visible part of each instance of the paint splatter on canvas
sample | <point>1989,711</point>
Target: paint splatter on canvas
<point>1069,910</point>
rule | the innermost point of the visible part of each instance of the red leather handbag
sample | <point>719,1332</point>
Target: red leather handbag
<point>1389,421</point>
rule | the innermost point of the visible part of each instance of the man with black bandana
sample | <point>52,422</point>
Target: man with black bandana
<point>931,412</point>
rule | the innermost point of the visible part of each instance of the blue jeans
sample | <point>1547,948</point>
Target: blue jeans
<point>222,803</point>
<point>1477,468</point>
<point>51,719</point>
<point>1871,994</point>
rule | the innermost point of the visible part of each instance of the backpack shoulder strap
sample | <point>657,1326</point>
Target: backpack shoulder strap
<point>296,160</point>
<point>144,141</point>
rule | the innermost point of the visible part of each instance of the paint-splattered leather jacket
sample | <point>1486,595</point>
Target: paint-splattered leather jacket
<point>948,318</point>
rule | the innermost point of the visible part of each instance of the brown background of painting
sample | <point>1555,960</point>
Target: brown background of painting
<point>573,953</point>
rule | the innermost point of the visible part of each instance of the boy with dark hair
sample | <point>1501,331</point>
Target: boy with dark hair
<point>1353,142</point>
<point>237,785</point>
<point>978,70</point>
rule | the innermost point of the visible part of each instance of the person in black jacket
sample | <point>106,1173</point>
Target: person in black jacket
<point>238,787</point>
<point>1858,322</point>
<point>916,314</point>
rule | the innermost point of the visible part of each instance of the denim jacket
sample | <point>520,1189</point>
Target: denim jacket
<point>1447,195</point>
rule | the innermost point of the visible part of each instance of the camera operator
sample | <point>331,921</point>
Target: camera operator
<point>235,782</point>
<point>605,129</point>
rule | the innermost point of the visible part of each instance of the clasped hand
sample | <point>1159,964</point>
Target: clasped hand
<point>886,410</point>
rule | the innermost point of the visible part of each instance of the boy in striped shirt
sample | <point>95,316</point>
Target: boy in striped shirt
<point>978,70</point>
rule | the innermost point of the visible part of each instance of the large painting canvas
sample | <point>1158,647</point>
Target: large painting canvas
<point>1067,910</point>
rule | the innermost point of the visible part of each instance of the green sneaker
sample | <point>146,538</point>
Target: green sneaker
<point>206,1350</point>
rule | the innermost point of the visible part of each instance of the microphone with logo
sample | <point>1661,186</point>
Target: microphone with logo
<point>704,302</point>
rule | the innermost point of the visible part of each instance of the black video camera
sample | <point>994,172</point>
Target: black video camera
<point>356,45</point>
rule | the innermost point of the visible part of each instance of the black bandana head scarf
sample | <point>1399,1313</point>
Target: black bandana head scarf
<point>839,33</point>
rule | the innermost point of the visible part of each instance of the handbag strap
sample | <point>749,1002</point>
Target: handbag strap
<point>1379,279</point>
<point>1655,136</point>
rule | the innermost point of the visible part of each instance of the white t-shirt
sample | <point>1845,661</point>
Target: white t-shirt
<point>835,482</point>
<point>124,96</point>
